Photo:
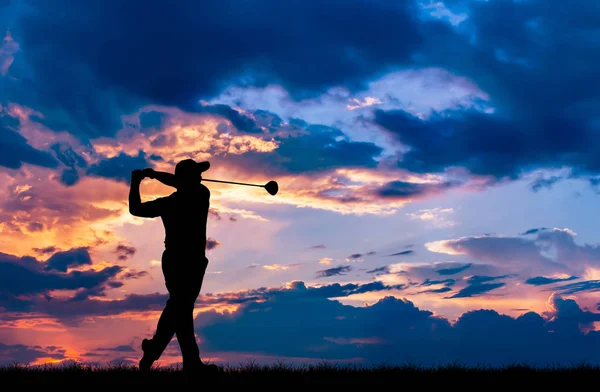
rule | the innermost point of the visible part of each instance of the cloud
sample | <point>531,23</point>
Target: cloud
<point>348,56</point>
<point>133,275</point>
<point>453,271</point>
<point>124,252</point>
<point>211,243</point>
<point>309,149</point>
<point>46,250</point>
<point>552,251</point>
<point>477,286</point>
<point>64,217</point>
<point>541,183</point>
<point>25,278</point>
<point>61,261</point>
<point>122,349</point>
<point>380,270</point>
<point>403,253</point>
<point>405,190</point>
<point>359,256</point>
<point>15,149</point>
<point>72,311</point>
<point>341,270</point>
<point>579,287</point>
<point>446,286</point>
<point>542,280</point>
<point>435,216</point>
<point>279,267</point>
<point>534,231</point>
<point>119,167</point>
<point>395,331</point>
<point>23,354</point>
<point>441,84</point>
<point>320,246</point>
<point>8,48</point>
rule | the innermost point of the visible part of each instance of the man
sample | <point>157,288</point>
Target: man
<point>184,215</point>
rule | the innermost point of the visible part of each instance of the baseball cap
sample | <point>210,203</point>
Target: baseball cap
<point>188,168</point>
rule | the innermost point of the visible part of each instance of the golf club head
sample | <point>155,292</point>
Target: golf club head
<point>272,187</point>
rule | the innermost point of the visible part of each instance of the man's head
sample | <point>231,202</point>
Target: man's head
<point>189,172</point>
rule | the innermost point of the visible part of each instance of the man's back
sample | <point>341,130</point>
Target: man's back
<point>184,214</point>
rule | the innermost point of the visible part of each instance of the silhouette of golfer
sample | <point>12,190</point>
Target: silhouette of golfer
<point>184,215</point>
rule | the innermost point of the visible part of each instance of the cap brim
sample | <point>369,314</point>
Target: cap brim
<point>203,166</point>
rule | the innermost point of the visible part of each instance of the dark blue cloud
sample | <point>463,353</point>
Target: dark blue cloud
<point>69,177</point>
<point>395,331</point>
<point>15,149</point>
<point>542,280</point>
<point>407,190</point>
<point>505,149</point>
<point>25,280</point>
<point>125,251</point>
<point>75,257</point>
<point>453,271</point>
<point>477,285</point>
<point>534,231</point>
<point>46,250</point>
<point>122,348</point>
<point>341,270</point>
<point>441,290</point>
<point>211,243</point>
<point>240,121</point>
<point>66,155</point>
<point>152,121</point>
<point>93,354</point>
<point>547,183</point>
<point>91,74</point>
<point>579,287</point>
<point>445,282</point>
<point>72,311</point>
<point>356,256</point>
<point>119,167</point>
<point>477,290</point>
<point>403,253</point>
<point>313,149</point>
<point>544,104</point>
<point>22,354</point>
<point>476,279</point>
<point>380,270</point>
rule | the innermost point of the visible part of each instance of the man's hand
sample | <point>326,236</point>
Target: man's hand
<point>149,172</point>
<point>138,175</point>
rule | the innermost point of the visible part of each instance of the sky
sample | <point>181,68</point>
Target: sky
<point>437,161</point>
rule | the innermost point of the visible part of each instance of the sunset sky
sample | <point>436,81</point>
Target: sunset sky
<point>438,165</point>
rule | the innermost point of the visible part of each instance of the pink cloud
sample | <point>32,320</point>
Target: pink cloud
<point>7,50</point>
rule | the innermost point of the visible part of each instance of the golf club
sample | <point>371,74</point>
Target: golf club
<point>272,187</point>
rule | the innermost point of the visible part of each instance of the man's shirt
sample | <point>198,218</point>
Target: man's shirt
<point>184,215</point>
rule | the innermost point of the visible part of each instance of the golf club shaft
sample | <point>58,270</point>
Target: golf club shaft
<point>232,182</point>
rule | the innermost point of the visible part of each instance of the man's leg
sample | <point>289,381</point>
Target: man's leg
<point>184,329</point>
<point>184,314</point>
<point>165,329</point>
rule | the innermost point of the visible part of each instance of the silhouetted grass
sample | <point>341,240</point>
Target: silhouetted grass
<point>286,375</point>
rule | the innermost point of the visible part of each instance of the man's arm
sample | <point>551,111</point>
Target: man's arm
<point>150,209</point>
<point>164,177</point>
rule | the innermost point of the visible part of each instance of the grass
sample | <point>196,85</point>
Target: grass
<point>284,375</point>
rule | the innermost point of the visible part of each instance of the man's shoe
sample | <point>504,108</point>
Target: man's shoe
<point>201,367</point>
<point>147,360</point>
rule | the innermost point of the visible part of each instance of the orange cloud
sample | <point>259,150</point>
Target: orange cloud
<point>37,212</point>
